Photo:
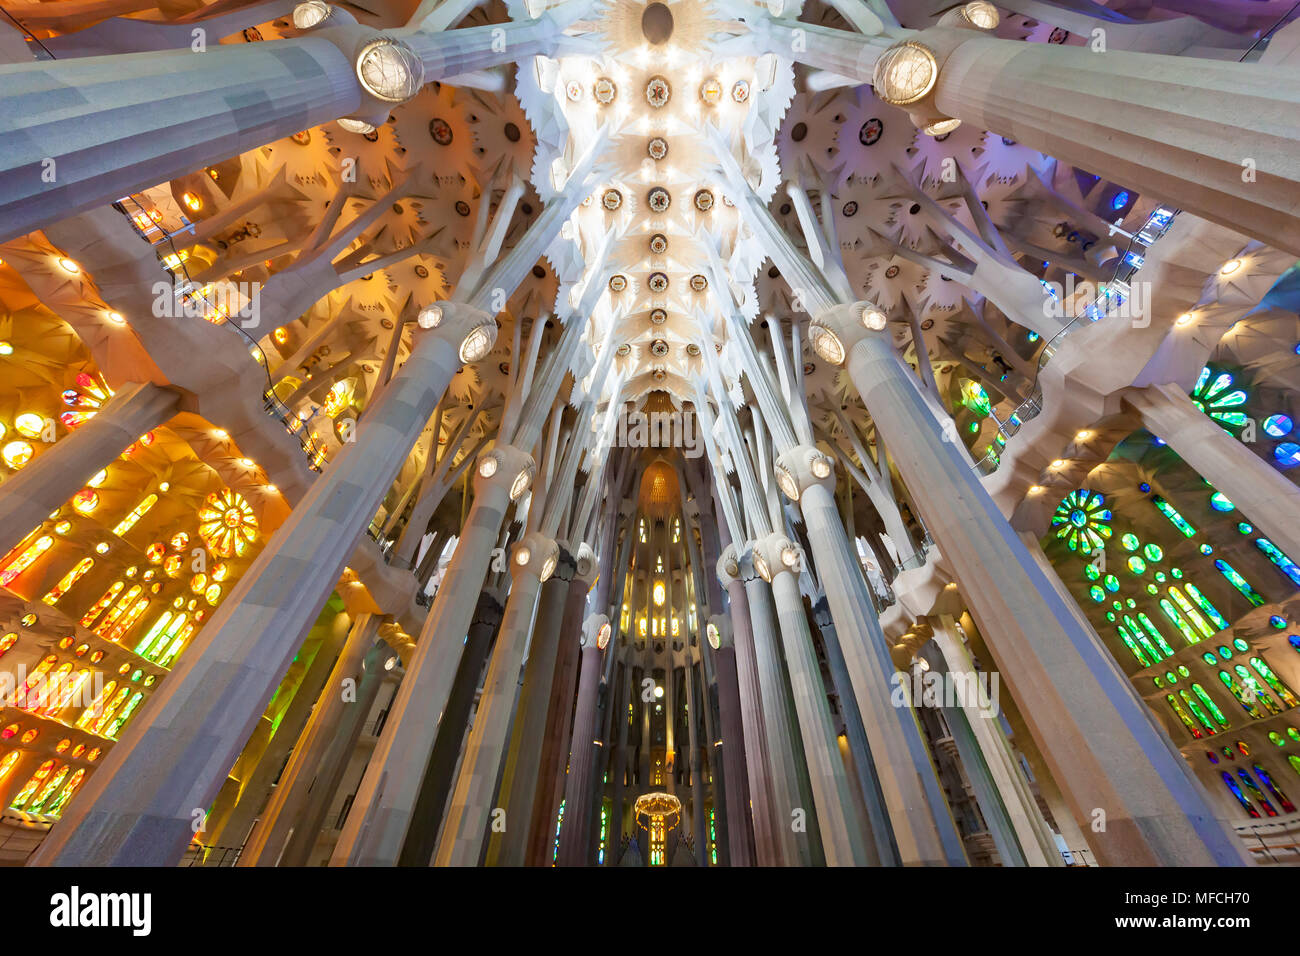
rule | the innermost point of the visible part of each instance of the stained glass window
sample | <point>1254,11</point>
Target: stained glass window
<point>1214,395</point>
<point>1081,521</point>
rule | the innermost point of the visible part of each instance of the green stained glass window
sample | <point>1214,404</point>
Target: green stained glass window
<point>1176,519</point>
<point>1153,552</point>
<point>1137,565</point>
<point>1082,521</point>
<point>1097,594</point>
<point>1130,542</point>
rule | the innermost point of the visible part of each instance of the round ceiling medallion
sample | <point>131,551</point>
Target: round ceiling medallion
<point>740,92</point>
<point>462,207</point>
<point>658,244</point>
<point>604,91</point>
<point>657,92</point>
<point>658,282</point>
<point>612,199</point>
<point>871,131</point>
<point>891,272</point>
<point>440,130</point>
<point>699,283</point>
<point>624,350</point>
<point>850,209</point>
<point>658,348</point>
<point>617,283</point>
<point>573,90</point>
<point>657,148</point>
<point>704,200</point>
<point>658,200</point>
<point>658,316</point>
<point>711,91</point>
<point>692,349</point>
<point>657,23</point>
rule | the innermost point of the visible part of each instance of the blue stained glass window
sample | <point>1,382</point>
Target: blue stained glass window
<point>1287,454</point>
<point>1278,425</point>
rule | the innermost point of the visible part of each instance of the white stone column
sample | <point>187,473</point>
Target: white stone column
<point>470,813</point>
<point>1031,831</point>
<point>782,765</point>
<point>918,813</point>
<point>141,806</point>
<point>581,794</point>
<point>1177,128</point>
<point>767,847</point>
<point>840,825</point>
<point>1099,739</point>
<point>1262,493</point>
<point>283,809</point>
<point>84,132</point>
<point>381,811</point>
<point>519,774</point>
<point>59,472</point>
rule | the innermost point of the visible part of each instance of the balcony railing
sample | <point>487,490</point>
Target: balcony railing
<point>1113,295</point>
<point>193,296</point>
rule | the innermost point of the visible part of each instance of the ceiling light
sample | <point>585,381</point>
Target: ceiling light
<point>430,317</point>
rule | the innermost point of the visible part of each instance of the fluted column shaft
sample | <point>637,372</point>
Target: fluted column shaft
<point>113,125</point>
<point>84,132</point>
<point>385,801</point>
<point>918,814</point>
<point>527,727</point>
<point>470,811</point>
<point>556,736</point>
<point>740,833</point>
<point>1175,127</point>
<point>580,790</point>
<point>1097,736</point>
<point>59,472</point>
<point>767,847</point>
<point>289,797</point>
<point>426,818</point>
<point>783,769</point>
<point>333,767</point>
<point>140,806</point>
<point>839,824</point>
<point>1011,798</point>
<point>884,849</point>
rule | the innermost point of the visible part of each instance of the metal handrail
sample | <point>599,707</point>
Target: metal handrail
<point>1096,310</point>
<point>191,289</point>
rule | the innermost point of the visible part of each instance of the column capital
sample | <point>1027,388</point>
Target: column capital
<point>567,564</point>
<point>822,612</point>
<point>799,468</point>
<point>470,331</point>
<point>835,331</point>
<point>717,630</point>
<point>586,568</point>
<point>505,467</point>
<point>488,611</point>
<point>535,556</point>
<point>596,631</point>
<point>728,568</point>
<point>774,555</point>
